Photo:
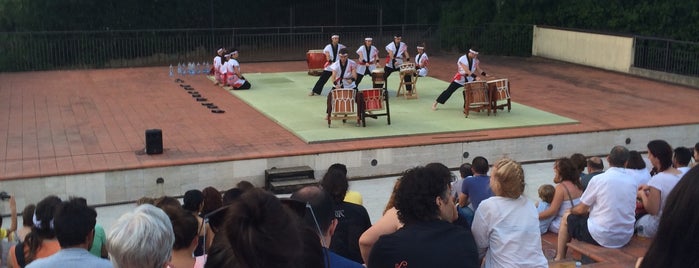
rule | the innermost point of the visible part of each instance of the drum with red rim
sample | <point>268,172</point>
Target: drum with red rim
<point>316,61</point>
<point>372,99</point>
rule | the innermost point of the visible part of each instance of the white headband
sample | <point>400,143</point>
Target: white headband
<point>334,35</point>
<point>368,39</point>
<point>37,223</point>
<point>420,47</point>
<point>473,51</point>
<point>220,50</point>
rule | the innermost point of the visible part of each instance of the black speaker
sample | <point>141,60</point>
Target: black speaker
<point>154,141</point>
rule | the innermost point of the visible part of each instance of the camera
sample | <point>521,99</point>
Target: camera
<point>4,196</point>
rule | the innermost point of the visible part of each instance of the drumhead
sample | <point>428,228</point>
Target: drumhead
<point>377,71</point>
<point>313,51</point>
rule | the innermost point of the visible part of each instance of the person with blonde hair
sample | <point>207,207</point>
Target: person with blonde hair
<point>506,226</point>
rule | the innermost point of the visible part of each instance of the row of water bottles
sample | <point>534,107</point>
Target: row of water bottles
<point>191,68</point>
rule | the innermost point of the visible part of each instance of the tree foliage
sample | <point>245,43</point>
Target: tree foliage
<point>675,19</point>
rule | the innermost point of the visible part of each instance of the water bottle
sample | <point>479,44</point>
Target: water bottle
<point>179,68</point>
<point>578,264</point>
<point>171,74</point>
<point>199,70</point>
<point>191,68</point>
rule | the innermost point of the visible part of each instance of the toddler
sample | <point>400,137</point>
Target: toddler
<point>546,192</point>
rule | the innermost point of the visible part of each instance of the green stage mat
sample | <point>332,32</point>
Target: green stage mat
<point>283,97</point>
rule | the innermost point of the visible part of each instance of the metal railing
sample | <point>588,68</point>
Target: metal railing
<point>32,51</point>
<point>665,55</point>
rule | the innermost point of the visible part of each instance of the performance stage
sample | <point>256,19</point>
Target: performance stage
<point>282,97</point>
<point>81,132</point>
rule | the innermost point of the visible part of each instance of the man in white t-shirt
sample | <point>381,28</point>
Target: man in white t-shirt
<point>610,200</point>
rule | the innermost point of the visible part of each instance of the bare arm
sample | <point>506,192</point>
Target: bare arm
<point>388,224</point>
<point>13,215</point>
<point>650,196</point>
<point>463,199</point>
<point>580,209</point>
<point>555,204</point>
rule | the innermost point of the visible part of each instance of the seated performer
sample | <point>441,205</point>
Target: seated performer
<point>421,60</point>
<point>330,51</point>
<point>234,77</point>
<point>216,69</point>
<point>397,51</point>
<point>467,69</point>
<point>368,60</point>
<point>344,75</point>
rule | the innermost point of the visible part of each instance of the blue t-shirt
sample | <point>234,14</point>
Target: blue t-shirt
<point>477,188</point>
<point>337,261</point>
<point>544,223</point>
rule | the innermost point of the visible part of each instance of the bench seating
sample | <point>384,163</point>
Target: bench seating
<point>625,256</point>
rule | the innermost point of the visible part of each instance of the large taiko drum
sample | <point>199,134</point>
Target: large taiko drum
<point>377,77</point>
<point>343,101</point>
<point>372,99</point>
<point>316,61</point>
<point>407,68</point>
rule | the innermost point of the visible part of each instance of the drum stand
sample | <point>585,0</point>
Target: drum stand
<point>413,82</point>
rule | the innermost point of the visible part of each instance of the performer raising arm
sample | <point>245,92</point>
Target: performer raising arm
<point>467,71</point>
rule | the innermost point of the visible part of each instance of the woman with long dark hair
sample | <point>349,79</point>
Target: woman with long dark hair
<point>41,241</point>
<point>654,194</point>
<point>675,243</point>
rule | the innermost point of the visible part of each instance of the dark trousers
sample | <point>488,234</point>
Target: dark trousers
<point>318,88</point>
<point>447,92</point>
<point>388,70</point>
<point>245,85</point>
<point>360,76</point>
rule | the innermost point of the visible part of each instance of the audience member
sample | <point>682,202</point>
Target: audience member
<point>353,219</point>
<point>567,194</point>
<point>258,232</point>
<point>142,238</point>
<point>244,185</point>
<point>145,200</point>
<point>605,215</point>
<point>387,224</point>
<point>675,244</point>
<point>595,166</point>
<point>99,242</point>
<point>323,220</point>
<point>41,241</point>
<point>681,158</point>
<point>546,193</point>
<point>193,202</point>
<point>353,197</point>
<point>74,224</point>
<point>9,233</point>
<point>185,227</point>
<point>6,234</point>
<point>696,154</point>
<point>502,244</point>
<point>212,200</point>
<point>165,201</point>
<point>654,194</point>
<point>580,162</point>
<point>636,167</point>
<point>475,188</point>
<point>27,222</point>
<point>428,239</point>
<point>464,172</point>
<point>231,195</point>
